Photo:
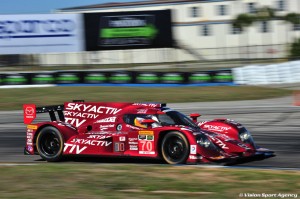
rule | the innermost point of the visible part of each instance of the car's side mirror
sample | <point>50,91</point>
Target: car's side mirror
<point>194,116</point>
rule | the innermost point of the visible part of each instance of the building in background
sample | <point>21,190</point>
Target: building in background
<point>202,30</point>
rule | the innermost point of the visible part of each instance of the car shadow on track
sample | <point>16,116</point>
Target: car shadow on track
<point>131,160</point>
<point>107,160</point>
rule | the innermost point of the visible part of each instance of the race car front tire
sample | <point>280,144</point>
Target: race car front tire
<point>50,144</point>
<point>175,148</point>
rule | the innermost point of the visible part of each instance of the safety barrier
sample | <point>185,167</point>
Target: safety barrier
<point>114,77</point>
<point>288,72</point>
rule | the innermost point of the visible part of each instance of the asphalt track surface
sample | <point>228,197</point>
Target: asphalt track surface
<point>274,124</point>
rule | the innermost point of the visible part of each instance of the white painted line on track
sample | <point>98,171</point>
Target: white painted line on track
<point>17,164</point>
<point>198,166</point>
<point>28,86</point>
<point>237,107</point>
<point>245,167</point>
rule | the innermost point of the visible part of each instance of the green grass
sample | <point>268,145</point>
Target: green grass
<point>13,99</point>
<point>140,181</point>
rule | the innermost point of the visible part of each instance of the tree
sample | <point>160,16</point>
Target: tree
<point>242,21</point>
<point>293,18</point>
<point>264,14</point>
<point>245,20</point>
<point>295,49</point>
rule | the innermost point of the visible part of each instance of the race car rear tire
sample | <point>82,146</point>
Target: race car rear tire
<point>175,148</point>
<point>50,144</point>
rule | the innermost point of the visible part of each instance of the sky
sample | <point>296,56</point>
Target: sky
<point>45,6</point>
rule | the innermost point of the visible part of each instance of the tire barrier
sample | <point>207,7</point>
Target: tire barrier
<point>283,73</point>
<point>115,77</point>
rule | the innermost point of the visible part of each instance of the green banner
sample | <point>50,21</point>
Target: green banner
<point>148,31</point>
<point>15,79</point>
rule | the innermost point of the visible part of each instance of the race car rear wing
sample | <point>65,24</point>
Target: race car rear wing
<point>51,110</point>
<point>30,111</point>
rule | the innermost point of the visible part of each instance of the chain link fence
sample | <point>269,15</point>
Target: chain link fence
<point>239,54</point>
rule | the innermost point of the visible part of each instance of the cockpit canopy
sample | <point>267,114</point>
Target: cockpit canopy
<point>169,118</point>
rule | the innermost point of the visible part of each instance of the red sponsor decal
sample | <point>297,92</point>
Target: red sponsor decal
<point>29,113</point>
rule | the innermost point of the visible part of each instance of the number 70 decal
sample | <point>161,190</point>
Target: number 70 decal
<point>146,147</point>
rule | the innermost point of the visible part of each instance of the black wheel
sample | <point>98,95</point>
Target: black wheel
<point>49,144</point>
<point>175,148</point>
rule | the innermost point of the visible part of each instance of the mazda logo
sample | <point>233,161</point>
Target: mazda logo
<point>29,111</point>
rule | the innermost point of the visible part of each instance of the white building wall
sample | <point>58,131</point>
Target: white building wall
<point>293,6</point>
<point>220,44</point>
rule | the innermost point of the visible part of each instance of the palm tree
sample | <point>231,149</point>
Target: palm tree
<point>243,21</point>
<point>294,19</point>
<point>265,14</point>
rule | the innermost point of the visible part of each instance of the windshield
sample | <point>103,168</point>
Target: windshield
<point>175,118</point>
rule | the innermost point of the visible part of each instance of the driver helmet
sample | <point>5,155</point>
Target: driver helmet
<point>137,122</point>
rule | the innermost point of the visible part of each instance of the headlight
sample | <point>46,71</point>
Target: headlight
<point>245,136</point>
<point>202,140</point>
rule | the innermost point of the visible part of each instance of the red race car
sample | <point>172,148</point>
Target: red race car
<point>149,130</point>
